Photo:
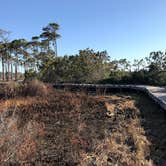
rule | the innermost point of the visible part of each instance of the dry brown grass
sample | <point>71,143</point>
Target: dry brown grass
<point>24,89</point>
<point>33,88</point>
<point>65,128</point>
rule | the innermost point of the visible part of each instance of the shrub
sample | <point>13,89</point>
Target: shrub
<point>30,75</point>
<point>33,88</point>
<point>27,88</point>
<point>11,89</point>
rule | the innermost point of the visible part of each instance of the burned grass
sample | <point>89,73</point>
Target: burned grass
<point>64,128</point>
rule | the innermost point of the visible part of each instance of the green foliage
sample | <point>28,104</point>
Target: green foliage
<point>136,77</point>
<point>38,58</point>
<point>94,67</point>
<point>157,78</point>
<point>88,66</point>
<point>157,61</point>
<point>151,71</point>
<point>30,74</point>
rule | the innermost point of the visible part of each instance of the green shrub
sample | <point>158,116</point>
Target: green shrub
<point>30,74</point>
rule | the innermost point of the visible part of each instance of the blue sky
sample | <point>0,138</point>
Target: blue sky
<point>125,28</point>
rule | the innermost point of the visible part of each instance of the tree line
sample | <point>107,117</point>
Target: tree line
<point>24,55</point>
<point>39,58</point>
<point>89,66</point>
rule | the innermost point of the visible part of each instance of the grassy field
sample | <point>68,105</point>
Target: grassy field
<point>61,128</point>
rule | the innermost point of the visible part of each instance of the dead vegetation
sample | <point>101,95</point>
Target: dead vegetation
<point>66,129</point>
<point>28,88</point>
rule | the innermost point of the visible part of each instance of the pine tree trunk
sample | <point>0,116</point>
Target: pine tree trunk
<point>55,47</point>
<point>16,72</point>
<point>3,70</point>
<point>6,74</point>
<point>8,70</point>
<point>11,76</point>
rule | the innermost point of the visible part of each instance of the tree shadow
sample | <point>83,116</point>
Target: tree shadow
<point>153,120</point>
